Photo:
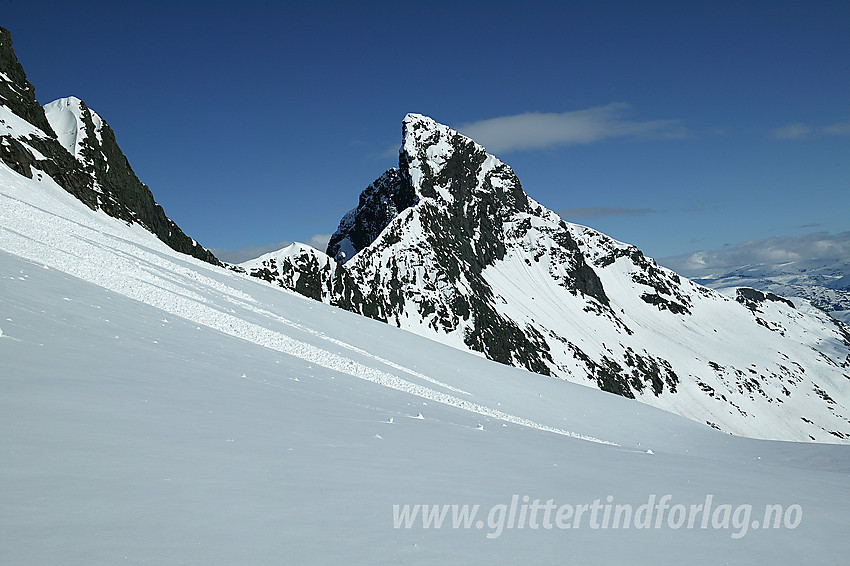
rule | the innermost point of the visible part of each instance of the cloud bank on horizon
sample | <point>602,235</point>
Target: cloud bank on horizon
<point>541,130</point>
<point>820,246</point>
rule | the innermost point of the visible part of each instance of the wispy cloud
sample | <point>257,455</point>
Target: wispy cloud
<point>838,129</point>
<point>318,241</point>
<point>387,153</point>
<point>792,132</point>
<point>821,246</point>
<point>538,130</point>
<point>597,211</point>
<point>800,131</point>
<point>701,205</point>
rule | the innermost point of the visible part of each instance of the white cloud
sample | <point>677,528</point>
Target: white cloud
<point>800,131</point>
<point>318,241</point>
<point>537,130</point>
<point>838,129</point>
<point>821,246</point>
<point>792,132</point>
<point>597,211</point>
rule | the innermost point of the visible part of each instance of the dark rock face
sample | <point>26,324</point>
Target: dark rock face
<point>16,156</point>
<point>382,201</point>
<point>100,176</point>
<point>314,275</point>
<point>752,298</point>
<point>17,93</point>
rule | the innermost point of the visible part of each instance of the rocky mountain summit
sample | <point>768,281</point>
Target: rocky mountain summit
<point>448,245</point>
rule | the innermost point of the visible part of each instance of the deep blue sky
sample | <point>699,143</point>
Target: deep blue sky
<point>253,123</point>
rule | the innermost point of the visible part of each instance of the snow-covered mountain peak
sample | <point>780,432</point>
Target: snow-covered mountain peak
<point>448,245</point>
<point>295,249</point>
<point>433,156</point>
<point>310,272</point>
<point>439,170</point>
<point>70,118</point>
<point>421,133</point>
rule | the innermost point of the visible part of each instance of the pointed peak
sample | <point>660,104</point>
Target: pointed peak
<point>68,117</point>
<point>300,248</point>
<point>420,132</point>
<point>73,104</point>
<point>419,125</point>
<point>66,101</point>
<point>414,118</point>
<point>442,163</point>
<point>291,250</point>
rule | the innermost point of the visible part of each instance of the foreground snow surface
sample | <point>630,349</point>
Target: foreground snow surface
<point>157,410</point>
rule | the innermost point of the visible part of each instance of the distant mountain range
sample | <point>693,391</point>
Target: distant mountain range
<point>823,281</point>
<point>449,246</point>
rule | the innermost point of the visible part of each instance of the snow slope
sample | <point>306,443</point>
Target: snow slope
<point>158,409</point>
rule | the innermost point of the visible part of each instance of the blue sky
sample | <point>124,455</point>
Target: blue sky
<point>676,126</point>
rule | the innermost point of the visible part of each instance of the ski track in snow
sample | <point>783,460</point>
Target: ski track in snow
<point>31,231</point>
